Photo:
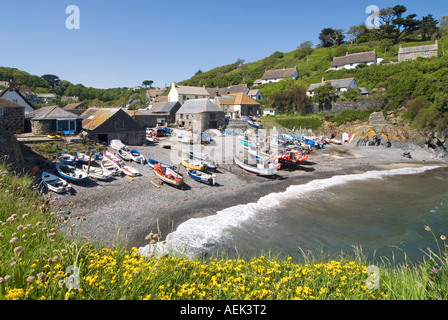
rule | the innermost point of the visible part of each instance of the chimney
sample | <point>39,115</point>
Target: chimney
<point>323,79</point>
<point>284,68</point>
<point>11,85</point>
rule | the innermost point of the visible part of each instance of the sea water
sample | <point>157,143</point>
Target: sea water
<point>382,213</point>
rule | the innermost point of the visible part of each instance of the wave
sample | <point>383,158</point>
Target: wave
<point>195,236</point>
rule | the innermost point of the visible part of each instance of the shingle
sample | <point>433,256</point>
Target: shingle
<point>361,57</point>
<point>198,106</point>
<point>279,73</point>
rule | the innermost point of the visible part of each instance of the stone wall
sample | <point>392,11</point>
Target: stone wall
<point>10,148</point>
<point>41,126</point>
<point>339,106</point>
<point>14,118</point>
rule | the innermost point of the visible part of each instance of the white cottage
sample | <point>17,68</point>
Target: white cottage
<point>185,93</point>
<point>352,61</point>
<point>279,74</point>
<point>13,94</point>
<point>341,85</point>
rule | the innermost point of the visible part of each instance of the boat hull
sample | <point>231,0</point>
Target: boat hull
<point>112,157</point>
<point>270,171</point>
<point>71,173</point>
<point>55,183</point>
<point>201,176</point>
<point>168,175</point>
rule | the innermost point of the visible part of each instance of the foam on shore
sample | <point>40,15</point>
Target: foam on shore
<point>196,235</point>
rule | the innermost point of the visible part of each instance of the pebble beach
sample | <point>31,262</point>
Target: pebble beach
<point>125,210</point>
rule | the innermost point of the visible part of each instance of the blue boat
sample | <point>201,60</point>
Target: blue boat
<point>66,158</point>
<point>202,176</point>
<point>81,157</point>
<point>152,162</point>
<point>253,124</point>
<point>71,173</point>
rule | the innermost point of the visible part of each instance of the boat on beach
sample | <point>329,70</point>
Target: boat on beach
<point>71,173</point>
<point>209,163</point>
<point>183,139</point>
<point>261,169</point>
<point>112,157</point>
<point>55,183</point>
<point>168,175</point>
<point>193,164</point>
<point>81,157</point>
<point>152,163</point>
<point>137,156</point>
<point>202,176</point>
<point>118,145</point>
<point>97,173</point>
<point>111,166</point>
<point>254,124</point>
<point>124,155</point>
<point>129,171</point>
<point>66,158</point>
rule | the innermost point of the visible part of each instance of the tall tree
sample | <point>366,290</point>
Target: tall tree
<point>304,49</point>
<point>52,80</point>
<point>428,27</point>
<point>147,83</point>
<point>331,37</point>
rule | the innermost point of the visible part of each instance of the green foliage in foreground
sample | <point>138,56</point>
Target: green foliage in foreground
<point>40,261</point>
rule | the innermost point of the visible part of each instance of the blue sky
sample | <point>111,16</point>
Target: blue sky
<point>121,43</point>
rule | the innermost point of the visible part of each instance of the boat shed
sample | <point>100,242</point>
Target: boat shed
<point>106,124</point>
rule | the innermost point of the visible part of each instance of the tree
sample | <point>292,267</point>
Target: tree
<point>325,95</point>
<point>304,49</point>
<point>330,37</point>
<point>293,99</point>
<point>147,83</point>
<point>428,27</point>
<point>52,80</point>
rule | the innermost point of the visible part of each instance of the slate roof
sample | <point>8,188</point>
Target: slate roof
<point>338,83</point>
<point>75,106</point>
<point>195,106</point>
<point>355,58</point>
<point>279,73</point>
<point>164,107</point>
<point>52,113</point>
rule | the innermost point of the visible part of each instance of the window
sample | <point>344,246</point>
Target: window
<point>426,52</point>
<point>65,125</point>
<point>119,125</point>
<point>1,111</point>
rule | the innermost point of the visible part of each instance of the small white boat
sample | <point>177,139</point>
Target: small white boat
<point>129,171</point>
<point>55,183</point>
<point>82,157</point>
<point>125,155</point>
<point>111,166</point>
<point>118,145</point>
<point>262,169</point>
<point>97,173</point>
<point>137,156</point>
<point>112,157</point>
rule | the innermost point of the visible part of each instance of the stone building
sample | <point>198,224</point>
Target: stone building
<point>106,124</point>
<point>412,53</point>
<point>12,115</point>
<point>238,105</point>
<point>201,111</point>
<point>53,119</point>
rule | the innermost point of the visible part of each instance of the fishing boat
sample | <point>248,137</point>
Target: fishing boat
<point>262,169</point>
<point>168,175</point>
<point>81,157</point>
<point>202,176</point>
<point>66,158</point>
<point>193,164</point>
<point>254,124</point>
<point>118,145</point>
<point>257,156</point>
<point>211,165</point>
<point>71,173</point>
<point>129,171</point>
<point>137,156</point>
<point>55,183</point>
<point>152,163</point>
<point>123,154</point>
<point>111,166</point>
<point>112,157</point>
<point>97,173</point>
